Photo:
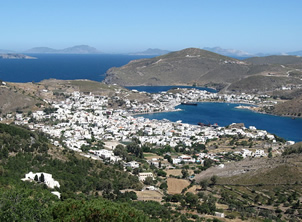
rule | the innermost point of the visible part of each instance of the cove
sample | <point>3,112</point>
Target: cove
<point>225,113</point>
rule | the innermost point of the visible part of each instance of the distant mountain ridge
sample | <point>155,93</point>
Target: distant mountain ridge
<point>151,52</point>
<point>229,52</point>
<point>239,53</point>
<point>78,49</point>
<point>297,53</point>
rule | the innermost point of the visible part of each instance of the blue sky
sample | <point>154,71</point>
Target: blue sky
<point>135,25</point>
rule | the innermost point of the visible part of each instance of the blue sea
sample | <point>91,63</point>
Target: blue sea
<point>94,67</point>
<point>61,66</point>
<point>225,113</point>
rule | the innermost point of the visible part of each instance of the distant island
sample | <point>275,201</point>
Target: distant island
<point>78,49</point>
<point>229,52</point>
<point>15,56</point>
<point>151,52</point>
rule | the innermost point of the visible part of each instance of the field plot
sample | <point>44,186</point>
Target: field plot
<point>149,195</point>
<point>150,156</point>
<point>176,172</point>
<point>176,185</point>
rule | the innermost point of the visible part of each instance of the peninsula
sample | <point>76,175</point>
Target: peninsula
<point>195,66</point>
<point>15,56</point>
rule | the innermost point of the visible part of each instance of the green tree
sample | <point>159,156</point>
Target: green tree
<point>148,181</point>
<point>96,210</point>
<point>135,171</point>
<point>4,153</point>
<point>184,173</point>
<point>204,184</point>
<point>26,205</point>
<point>163,186</point>
<point>161,173</point>
<point>42,179</point>
<point>214,179</point>
<point>191,199</point>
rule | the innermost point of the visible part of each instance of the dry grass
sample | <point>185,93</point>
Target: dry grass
<point>150,156</point>
<point>194,189</point>
<point>149,195</point>
<point>175,186</point>
<point>176,172</point>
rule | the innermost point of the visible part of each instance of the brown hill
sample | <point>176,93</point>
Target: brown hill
<point>187,66</point>
<point>30,96</point>
<point>200,67</point>
<point>275,59</point>
<point>14,99</point>
<point>262,83</point>
<point>289,108</point>
<point>277,170</point>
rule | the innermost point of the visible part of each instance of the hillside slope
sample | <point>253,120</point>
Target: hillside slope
<point>196,66</point>
<point>188,66</point>
<point>13,99</point>
<point>289,108</point>
<point>275,59</point>
<point>80,178</point>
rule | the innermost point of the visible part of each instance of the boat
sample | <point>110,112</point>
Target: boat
<point>189,103</point>
<point>204,124</point>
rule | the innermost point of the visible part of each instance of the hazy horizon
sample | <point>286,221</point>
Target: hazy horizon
<point>134,26</point>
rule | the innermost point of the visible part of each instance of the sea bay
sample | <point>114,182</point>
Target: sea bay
<point>94,67</point>
<point>62,66</point>
<point>225,113</point>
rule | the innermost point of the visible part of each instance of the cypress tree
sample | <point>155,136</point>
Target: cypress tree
<point>42,179</point>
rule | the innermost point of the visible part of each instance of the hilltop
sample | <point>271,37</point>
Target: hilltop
<point>188,66</point>
<point>194,66</point>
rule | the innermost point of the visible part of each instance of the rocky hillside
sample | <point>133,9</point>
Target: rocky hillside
<point>276,59</point>
<point>196,66</point>
<point>14,99</point>
<point>24,97</point>
<point>189,66</point>
<point>289,108</point>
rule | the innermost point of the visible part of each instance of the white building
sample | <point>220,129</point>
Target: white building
<point>132,164</point>
<point>143,176</point>
<point>48,180</point>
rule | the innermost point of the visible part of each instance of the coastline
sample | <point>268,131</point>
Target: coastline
<point>252,107</point>
<point>147,113</point>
